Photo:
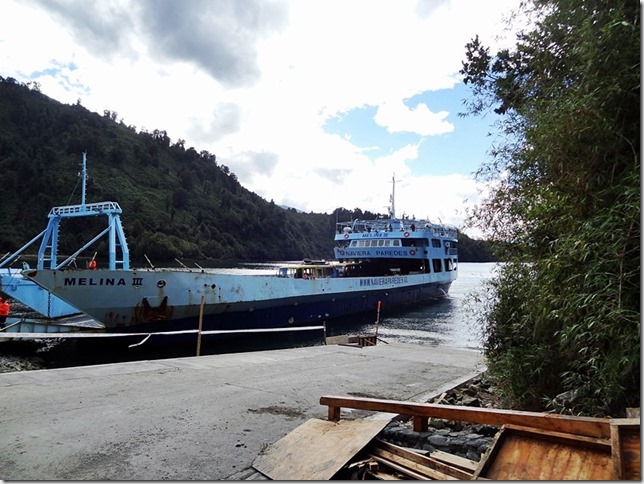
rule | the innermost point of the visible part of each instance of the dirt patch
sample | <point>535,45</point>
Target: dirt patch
<point>275,410</point>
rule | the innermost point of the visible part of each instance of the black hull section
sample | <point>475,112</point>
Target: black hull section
<point>300,312</point>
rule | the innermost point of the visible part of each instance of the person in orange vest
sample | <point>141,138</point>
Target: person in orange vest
<point>4,311</point>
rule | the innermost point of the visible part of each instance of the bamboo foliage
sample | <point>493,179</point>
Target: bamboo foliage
<point>562,328</point>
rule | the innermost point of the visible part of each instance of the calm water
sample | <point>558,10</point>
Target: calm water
<point>449,322</point>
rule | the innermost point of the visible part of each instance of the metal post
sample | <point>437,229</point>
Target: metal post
<point>378,319</point>
<point>200,326</point>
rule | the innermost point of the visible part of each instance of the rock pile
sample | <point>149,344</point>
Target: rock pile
<point>470,443</point>
<point>20,363</point>
<point>455,437</point>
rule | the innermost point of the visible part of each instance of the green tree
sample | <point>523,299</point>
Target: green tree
<point>563,327</point>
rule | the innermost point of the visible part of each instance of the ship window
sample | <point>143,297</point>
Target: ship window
<point>387,243</point>
<point>396,242</point>
<point>361,243</point>
<point>455,263</point>
<point>436,243</point>
<point>354,243</point>
<point>436,265</point>
<point>381,243</point>
<point>448,265</point>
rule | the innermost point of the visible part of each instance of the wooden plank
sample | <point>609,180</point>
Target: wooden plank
<point>402,462</point>
<point>525,455</point>
<point>602,445</point>
<point>317,449</point>
<point>455,460</point>
<point>399,468</point>
<point>420,424</point>
<point>486,458</point>
<point>589,426</point>
<point>367,341</point>
<point>626,448</point>
<point>336,340</point>
<point>429,462</point>
<point>334,414</point>
<point>383,476</point>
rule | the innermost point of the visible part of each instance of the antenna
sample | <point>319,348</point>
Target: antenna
<point>392,197</point>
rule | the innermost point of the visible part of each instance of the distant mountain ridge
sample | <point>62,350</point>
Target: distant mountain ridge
<point>177,202</point>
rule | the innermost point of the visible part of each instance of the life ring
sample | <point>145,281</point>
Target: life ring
<point>412,252</point>
<point>406,234</point>
<point>341,252</point>
<point>346,236</point>
<point>91,265</point>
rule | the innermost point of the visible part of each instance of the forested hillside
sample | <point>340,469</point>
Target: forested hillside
<point>177,202</point>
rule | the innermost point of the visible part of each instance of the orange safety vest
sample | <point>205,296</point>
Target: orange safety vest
<point>4,308</point>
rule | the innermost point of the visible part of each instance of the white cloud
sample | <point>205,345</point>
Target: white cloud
<point>255,85</point>
<point>397,116</point>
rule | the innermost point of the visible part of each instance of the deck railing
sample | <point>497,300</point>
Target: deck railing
<point>99,207</point>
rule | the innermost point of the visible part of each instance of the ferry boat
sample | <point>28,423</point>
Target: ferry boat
<point>395,261</point>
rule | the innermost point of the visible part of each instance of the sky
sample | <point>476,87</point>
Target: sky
<point>314,104</point>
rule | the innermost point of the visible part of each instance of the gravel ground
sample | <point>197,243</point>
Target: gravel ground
<point>20,363</point>
<point>23,355</point>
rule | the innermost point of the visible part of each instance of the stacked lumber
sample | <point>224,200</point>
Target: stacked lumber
<point>385,461</point>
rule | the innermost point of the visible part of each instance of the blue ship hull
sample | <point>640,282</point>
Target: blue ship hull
<point>297,312</point>
<point>140,301</point>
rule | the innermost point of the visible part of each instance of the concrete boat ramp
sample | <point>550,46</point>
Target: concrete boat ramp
<point>199,418</point>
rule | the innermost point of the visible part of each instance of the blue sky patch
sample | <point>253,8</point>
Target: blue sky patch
<point>460,151</point>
